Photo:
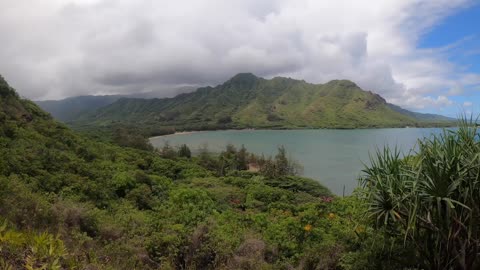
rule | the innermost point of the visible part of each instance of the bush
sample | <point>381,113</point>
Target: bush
<point>431,198</point>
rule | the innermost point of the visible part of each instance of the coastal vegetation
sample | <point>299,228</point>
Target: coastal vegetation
<point>431,199</point>
<point>75,201</point>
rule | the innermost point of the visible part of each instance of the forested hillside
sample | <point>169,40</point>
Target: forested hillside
<point>247,101</point>
<point>67,202</point>
<point>71,108</point>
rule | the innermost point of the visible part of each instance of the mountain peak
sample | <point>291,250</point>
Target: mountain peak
<point>243,80</point>
<point>343,83</point>
<point>243,76</point>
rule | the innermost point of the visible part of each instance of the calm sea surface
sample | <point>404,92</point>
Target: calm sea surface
<point>333,157</point>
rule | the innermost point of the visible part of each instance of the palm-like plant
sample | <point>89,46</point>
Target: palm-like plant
<point>431,198</point>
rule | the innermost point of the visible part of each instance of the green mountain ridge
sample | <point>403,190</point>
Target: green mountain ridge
<point>248,101</point>
<point>69,109</point>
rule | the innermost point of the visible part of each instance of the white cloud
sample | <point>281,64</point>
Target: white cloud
<point>457,89</point>
<point>415,101</point>
<point>58,50</point>
<point>443,101</point>
<point>467,104</point>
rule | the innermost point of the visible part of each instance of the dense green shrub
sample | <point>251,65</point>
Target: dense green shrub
<point>432,198</point>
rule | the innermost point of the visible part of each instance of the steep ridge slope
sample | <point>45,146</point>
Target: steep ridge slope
<point>247,101</point>
<point>54,181</point>
<point>71,108</point>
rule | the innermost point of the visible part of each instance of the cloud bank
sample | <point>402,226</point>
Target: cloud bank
<point>55,49</point>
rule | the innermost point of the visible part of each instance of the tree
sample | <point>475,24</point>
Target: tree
<point>282,165</point>
<point>167,151</point>
<point>129,137</point>
<point>230,150</point>
<point>268,168</point>
<point>205,158</point>
<point>184,151</point>
<point>242,156</point>
<point>228,159</point>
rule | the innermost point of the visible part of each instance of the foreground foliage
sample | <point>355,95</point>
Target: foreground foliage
<point>69,202</point>
<point>432,198</point>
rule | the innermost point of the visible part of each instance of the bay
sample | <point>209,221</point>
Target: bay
<point>333,157</point>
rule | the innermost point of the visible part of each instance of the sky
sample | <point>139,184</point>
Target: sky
<point>423,55</point>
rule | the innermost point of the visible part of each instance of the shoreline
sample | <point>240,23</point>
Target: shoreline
<point>277,129</point>
<point>198,131</point>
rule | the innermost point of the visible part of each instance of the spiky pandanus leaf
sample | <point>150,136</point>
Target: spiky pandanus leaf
<point>431,198</point>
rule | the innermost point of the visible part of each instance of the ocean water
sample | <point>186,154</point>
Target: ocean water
<point>333,157</point>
